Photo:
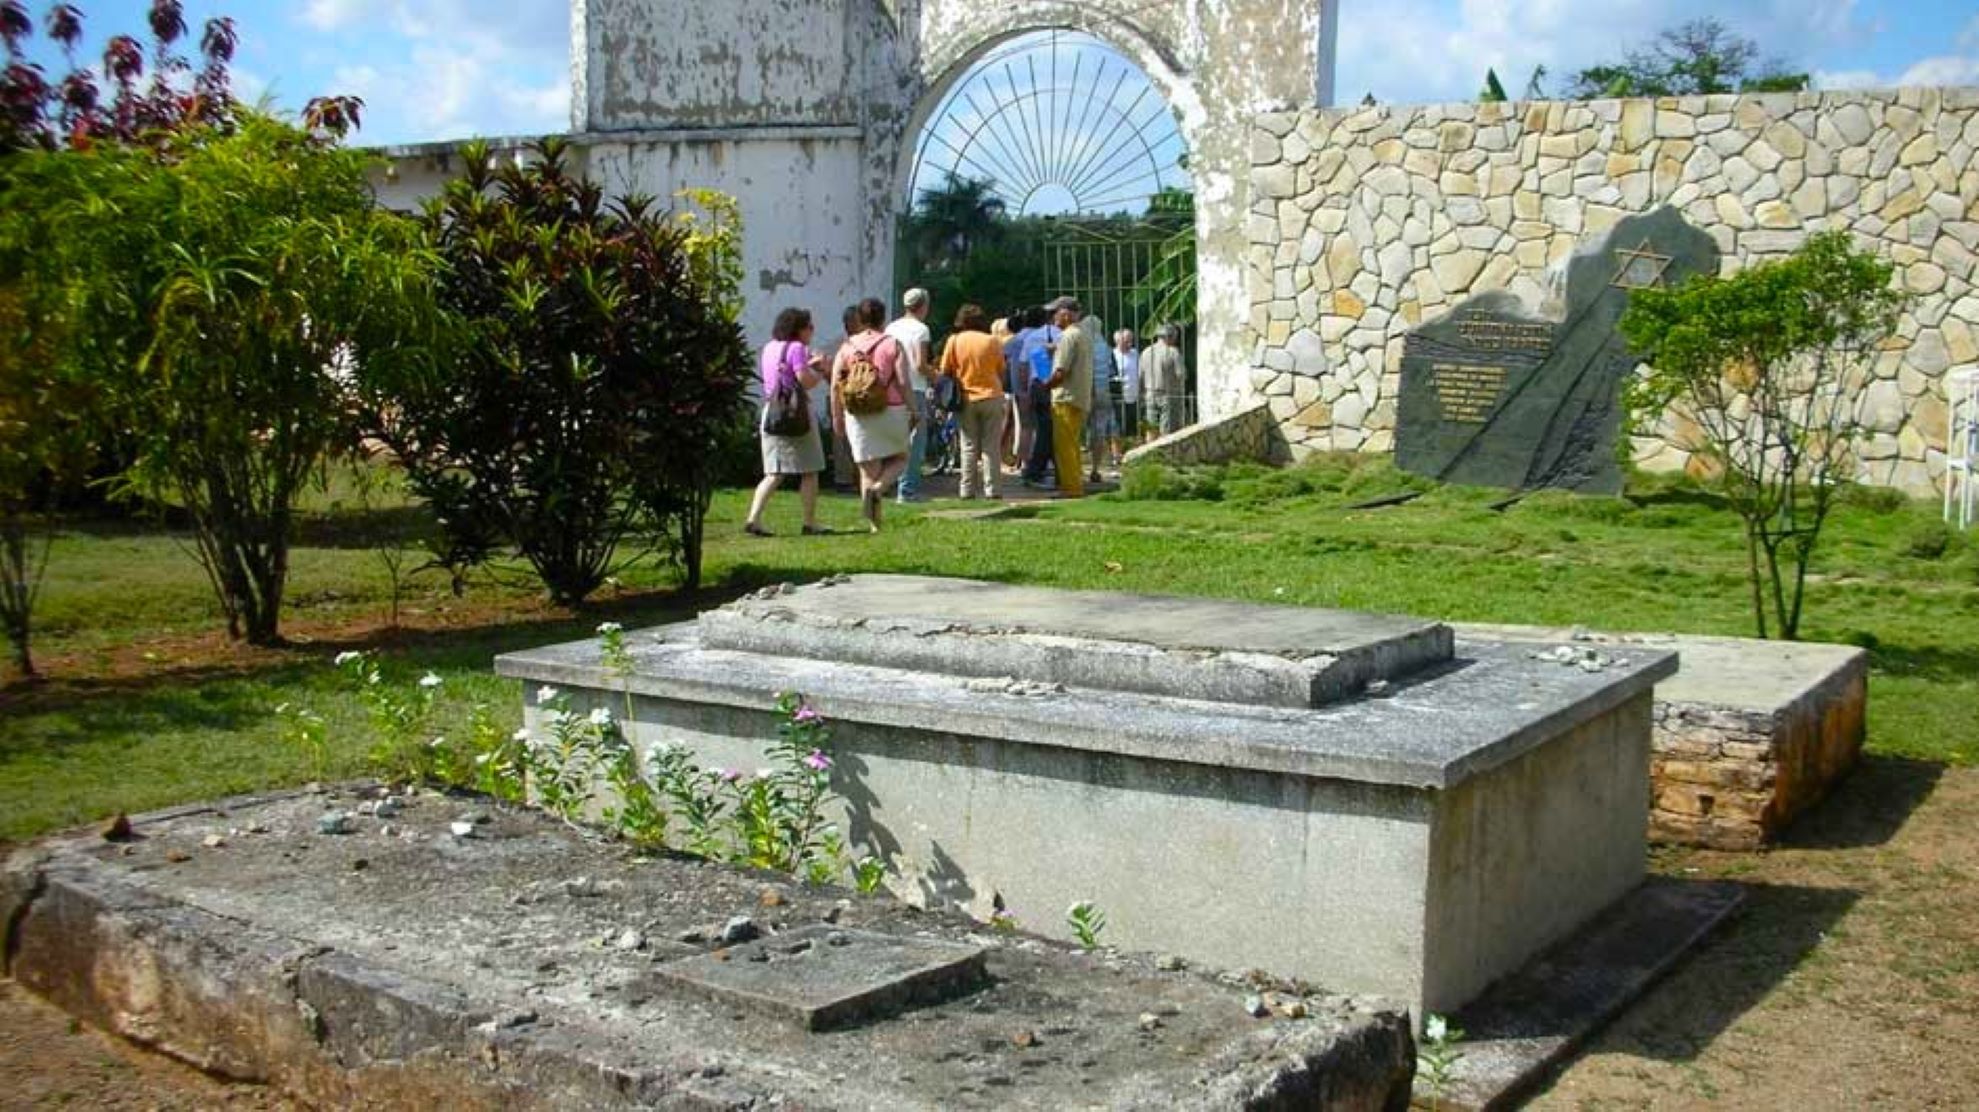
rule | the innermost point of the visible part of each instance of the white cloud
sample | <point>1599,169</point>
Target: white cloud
<point>1958,68</point>
<point>447,69</point>
<point>329,15</point>
<point>1849,79</point>
<point>1417,51</point>
<point>1951,69</point>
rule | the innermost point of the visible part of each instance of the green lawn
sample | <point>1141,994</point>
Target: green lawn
<point>152,711</point>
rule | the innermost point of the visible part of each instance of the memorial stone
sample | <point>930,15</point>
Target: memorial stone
<point>1368,803</point>
<point>1493,395</point>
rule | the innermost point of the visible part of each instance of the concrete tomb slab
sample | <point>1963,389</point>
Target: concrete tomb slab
<point>1417,839</point>
<point>530,967</point>
<point>823,976</point>
<point>1185,647</point>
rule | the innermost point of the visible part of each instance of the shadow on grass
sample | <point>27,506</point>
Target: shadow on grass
<point>182,705</point>
<point>1868,807</point>
<point>1929,662</point>
<point>462,646</point>
<point>1680,496</point>
<point>1739,966</point>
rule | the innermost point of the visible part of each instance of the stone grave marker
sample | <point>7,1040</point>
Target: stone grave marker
<point>1494,395</point>
<point>821,977</point>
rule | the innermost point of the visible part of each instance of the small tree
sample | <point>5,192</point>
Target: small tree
<point>1762,362</point>
<point>45,447</point>
<point>48,127</point>
<point>37,113</point>
<point>1702,56</point>
<point>217,289</point>
<point>599,363</point>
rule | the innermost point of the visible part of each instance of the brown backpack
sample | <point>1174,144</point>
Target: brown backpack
<point>862,386</point>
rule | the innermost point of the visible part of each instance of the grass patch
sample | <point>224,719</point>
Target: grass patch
<point>147,705</point>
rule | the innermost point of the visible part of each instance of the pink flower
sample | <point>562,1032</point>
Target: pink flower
<point>807,715</point>
<point>817,761</point>
<point>731,775</point>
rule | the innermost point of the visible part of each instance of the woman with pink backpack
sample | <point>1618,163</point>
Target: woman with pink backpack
<point>869,400</point>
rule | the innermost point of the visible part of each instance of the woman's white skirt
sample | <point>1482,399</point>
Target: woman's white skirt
<point>880,436</point>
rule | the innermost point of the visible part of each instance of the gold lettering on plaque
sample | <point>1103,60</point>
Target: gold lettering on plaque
<point>1484,333</point>
<point>1467,392</point>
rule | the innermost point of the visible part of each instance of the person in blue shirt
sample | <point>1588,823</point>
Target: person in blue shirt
<point>1035,345</point>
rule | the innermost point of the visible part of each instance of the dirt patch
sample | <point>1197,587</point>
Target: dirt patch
<point>198,657</point>
<point>47,1061</point>
<point>1851,980</point>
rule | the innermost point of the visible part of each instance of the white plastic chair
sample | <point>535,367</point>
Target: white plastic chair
<point>1962,446</point>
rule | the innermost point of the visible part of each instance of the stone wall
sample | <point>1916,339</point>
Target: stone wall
<point>1364,223</point>
<point>803,243</point>
<point>1250,434</point>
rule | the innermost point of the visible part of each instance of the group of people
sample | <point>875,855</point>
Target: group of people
<point>1029,390</point>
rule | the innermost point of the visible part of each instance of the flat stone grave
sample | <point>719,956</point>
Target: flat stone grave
<point>1494,395</point>
<point>529,966</point>
<point>1358,801</point>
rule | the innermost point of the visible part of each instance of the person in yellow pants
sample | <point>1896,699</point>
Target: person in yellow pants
<point>1068,428</point>
<point>1071,396</point>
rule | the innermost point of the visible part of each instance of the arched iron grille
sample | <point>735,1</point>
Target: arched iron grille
<point>1060,123</point>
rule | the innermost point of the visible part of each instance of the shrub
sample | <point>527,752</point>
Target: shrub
<point>598,371</point>
<point>1929,541</point>
<point>1874,499</point>
<point>218,289</point>
<point>1760,361</point>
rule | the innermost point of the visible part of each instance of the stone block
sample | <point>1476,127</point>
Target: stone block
<point>1453,854</point>
<point>1748,734</point>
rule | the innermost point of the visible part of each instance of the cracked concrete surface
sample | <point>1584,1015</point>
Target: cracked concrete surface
<point>416,969</point>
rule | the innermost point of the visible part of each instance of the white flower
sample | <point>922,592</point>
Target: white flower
<point>430,680</point>
<point>601,718</point>
<point>521,735</point>
<point>610,628</point>
<point>765,774</point>
<point>346,657</point>
<point>437,743</point>
<point>545,694</point>
<point>1435,1029</point>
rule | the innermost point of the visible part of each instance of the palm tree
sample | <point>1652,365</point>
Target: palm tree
<point>953,218</point>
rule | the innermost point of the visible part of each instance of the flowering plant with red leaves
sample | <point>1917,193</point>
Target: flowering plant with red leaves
<point>151,95</point>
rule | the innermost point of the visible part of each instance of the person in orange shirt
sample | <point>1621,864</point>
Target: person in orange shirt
<point>975,359</point>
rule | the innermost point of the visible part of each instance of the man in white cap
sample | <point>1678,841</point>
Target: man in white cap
<point>916,343</point>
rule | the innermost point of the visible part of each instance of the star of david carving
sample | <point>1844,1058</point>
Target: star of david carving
<point>1641,268</point>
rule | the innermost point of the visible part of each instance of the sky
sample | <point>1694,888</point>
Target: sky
<point>432,70</point>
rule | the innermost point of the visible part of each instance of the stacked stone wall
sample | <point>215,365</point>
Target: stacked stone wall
<point>1249,435</point>
<point>1364,223</point>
